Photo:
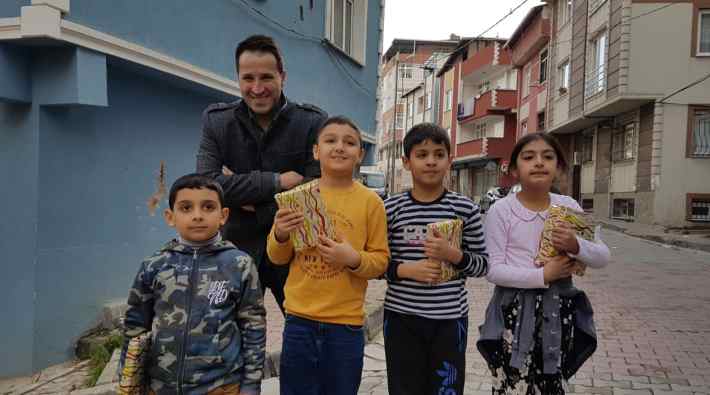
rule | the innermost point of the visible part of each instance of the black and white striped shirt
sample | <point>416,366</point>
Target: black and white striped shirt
<point>407,221</point>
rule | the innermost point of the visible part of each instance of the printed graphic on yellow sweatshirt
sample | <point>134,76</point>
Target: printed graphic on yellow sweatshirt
<point>312,263</point>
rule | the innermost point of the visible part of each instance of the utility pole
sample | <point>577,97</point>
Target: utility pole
<point>393,134</point>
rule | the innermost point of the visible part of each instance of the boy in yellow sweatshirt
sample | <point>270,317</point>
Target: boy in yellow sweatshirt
<point>323,340</point>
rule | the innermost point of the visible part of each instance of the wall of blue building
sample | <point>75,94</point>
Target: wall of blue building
<point>11,8</point>
<point>18,176</point>
<point>97,169</point>
<point>206,36</point>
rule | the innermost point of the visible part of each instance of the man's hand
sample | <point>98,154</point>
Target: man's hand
<point>557,267</point>
<point>285,222</point>
<point>228,172</point>
<point>338,253</point>
<point>437,247</point>
<point>424,271</point>
<point>564,238</point>
<point>289,180</point>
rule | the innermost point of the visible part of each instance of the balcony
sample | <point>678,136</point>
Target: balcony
<point>493,102</point>
<point>487,60</point>
<point>530,41</point>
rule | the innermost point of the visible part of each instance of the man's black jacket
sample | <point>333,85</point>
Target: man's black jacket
<point>232,138</point>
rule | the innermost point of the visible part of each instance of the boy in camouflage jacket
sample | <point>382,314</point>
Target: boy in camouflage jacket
<point>200,297</point>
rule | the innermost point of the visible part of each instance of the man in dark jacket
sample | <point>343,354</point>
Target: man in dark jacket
<point>256,147</point>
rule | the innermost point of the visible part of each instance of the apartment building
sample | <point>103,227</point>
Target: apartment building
<point>630,100</point>
<point>478,102</point>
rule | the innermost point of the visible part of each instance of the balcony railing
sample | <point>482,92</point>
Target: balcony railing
<point>595,81</point>
<point>466,108</point>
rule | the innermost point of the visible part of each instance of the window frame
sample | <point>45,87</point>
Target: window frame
<point>699,25</point>
<point>690,141</point>
<point>525,89</point>
<point>625,217</point>
<point>628,145</point>
<point>563,71</point>
<point>541,127</point>
<point>587,149</point>
<point>353,20</point>
<point>544,61</point>
<point>690,198</point>
<point>449,100</point>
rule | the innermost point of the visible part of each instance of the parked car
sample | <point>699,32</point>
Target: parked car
<point>375,181</point>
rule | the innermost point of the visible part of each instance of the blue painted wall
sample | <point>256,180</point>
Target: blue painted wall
<point>18,237</point>
<point>97,168</point>
<point>11,8</point>
<point>206,36</point>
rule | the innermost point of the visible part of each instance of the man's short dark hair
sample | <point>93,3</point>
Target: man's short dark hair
<point>259,43</point>
<point>194,181</point>
<point>425,131</point>
<point>340,120</point>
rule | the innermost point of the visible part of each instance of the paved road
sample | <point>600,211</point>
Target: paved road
<point>652,310</point>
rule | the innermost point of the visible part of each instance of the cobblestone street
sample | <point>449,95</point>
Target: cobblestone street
<point>652,311</point>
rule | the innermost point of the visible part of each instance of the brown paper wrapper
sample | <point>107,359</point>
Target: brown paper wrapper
<point>452,230</point>
<point>584,226</point>
<point>306,198</point>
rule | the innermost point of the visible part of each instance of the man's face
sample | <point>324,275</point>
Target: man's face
<point>197,214</point>
<point>260,81</point>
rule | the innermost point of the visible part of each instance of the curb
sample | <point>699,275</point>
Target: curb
<point>372,327</point>
<point>658,239</point>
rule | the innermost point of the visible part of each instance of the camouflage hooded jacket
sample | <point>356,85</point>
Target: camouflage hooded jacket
<point>206,313</point>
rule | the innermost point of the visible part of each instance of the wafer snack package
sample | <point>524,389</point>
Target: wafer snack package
<point>306,198</point>
<point>133,378</point>
<point>584,226</point>
<point>452,230</point>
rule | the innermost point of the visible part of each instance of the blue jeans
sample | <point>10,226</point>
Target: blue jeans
<point>320,359</point>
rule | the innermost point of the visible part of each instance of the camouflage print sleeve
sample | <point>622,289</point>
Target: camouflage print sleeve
<point>139,316</point>
<point>251,319</point>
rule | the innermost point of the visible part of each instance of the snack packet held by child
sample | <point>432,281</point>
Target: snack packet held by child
<point>132,379</point>
<point>583,224</point>
<point>452,230</point>
<point>306,198</point>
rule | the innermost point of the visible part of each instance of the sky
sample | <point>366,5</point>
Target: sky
<point>437,19</point>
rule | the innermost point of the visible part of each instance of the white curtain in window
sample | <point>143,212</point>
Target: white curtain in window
<point>701,135</point>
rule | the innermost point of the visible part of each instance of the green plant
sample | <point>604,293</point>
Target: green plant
<point>99,356</point>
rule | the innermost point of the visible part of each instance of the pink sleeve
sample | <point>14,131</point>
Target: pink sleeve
<point>594,254</point>
<point>501,272</point>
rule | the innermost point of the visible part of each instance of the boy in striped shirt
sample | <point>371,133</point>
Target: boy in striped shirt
<point>426,321</point>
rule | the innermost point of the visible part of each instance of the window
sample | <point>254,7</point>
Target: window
<point>698,207</point>
<point>428,101</point>
<point>623,209</point>
<point>399,120</point>
<point>524,128</point>
<point>406,71</point>
<point>346,27</point>
<point>484,87</point>
<point>587,149</point>
<point>596,80</point>
<point>588,205</point>
<point>449,100</point>
<point>563,77</point>
<point>699,131</point>
<point>543,66</point>
<point>704,32</point>
<point>565,11</point>
<point>410,109</point>
<point>526,81</point>
<point>541,121</point>
<point>480,130</point>
<point>623,144</point>
<point>420,104</point>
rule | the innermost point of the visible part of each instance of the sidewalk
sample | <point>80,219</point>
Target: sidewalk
<point>697,240</point>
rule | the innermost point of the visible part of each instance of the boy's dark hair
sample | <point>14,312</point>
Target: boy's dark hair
<point>340,120</point>
<point>425,131</point>
<point>546,137</point>
<point>194,181</point>
<point>259,43</point>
